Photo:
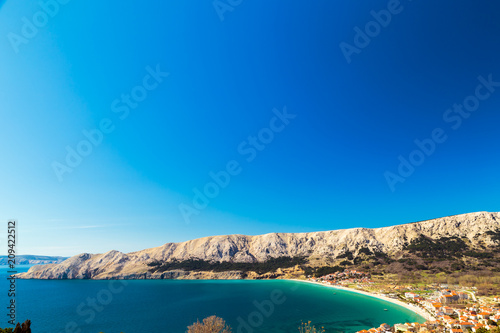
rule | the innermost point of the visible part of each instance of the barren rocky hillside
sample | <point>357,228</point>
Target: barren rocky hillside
<point>475,231</point>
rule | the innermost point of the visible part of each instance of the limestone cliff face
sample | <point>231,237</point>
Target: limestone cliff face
<point>240,248</point>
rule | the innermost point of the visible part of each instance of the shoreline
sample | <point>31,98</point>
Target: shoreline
<point>417,310</point>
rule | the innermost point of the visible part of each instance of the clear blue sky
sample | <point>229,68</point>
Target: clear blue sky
<point>325,170</point>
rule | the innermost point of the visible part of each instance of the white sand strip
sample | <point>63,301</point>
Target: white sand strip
<point>421,312</point>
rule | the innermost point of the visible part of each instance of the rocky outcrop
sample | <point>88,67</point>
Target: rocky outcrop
<point>240,248</point>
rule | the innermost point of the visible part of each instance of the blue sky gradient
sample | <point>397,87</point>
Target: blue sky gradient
<point>325,170</point>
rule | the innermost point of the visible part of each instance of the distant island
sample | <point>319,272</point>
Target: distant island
<point>454,246</point>
<point>29,259</point>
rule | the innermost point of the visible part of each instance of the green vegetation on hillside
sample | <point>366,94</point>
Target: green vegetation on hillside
<point>325,270</point>
<point>495,235</point>
<point>366,251</point>
<point>445,247</point>
<point>270,265</point>
<point>347,255</point>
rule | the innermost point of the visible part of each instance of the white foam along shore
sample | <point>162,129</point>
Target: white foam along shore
<point>419,311</point>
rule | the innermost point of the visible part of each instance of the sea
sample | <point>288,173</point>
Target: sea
<point>131,306</point>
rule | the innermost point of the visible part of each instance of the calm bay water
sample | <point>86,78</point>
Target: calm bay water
<point>170,306</point>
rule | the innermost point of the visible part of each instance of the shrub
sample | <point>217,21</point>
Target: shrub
<point>347,255</point>
<point>366,251</point>
<point>308,328</point>
<point>482,330</point>
<point>211,324</point>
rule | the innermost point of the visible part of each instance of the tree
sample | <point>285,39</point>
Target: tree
<point>211,324</point>
<point>308,328</point>
<point>24,328</point>
<point>482,330</point>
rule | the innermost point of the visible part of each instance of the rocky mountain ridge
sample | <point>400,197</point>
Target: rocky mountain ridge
<point>32,260</point>
<point>250,249</point>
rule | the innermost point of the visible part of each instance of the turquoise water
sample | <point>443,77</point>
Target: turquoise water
<point>170,306</point>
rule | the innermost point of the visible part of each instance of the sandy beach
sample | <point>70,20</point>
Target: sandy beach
<point>421,312</point>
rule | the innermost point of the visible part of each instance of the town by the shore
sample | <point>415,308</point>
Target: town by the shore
<point>444,308</point>
<point>419,311</point>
